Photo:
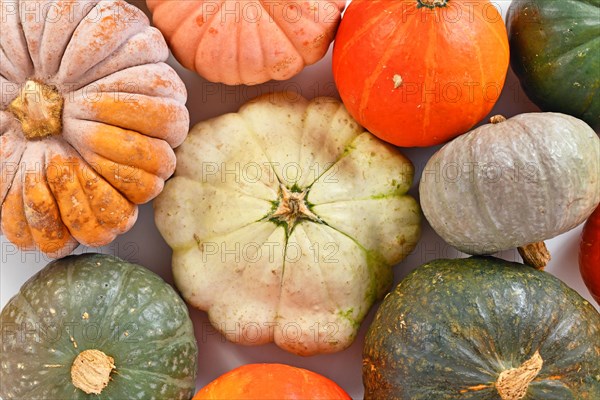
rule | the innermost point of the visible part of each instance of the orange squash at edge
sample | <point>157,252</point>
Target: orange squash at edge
<point>271,381</point>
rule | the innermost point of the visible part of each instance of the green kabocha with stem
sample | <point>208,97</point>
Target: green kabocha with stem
<point>482,328</point>
<point>96,327</point>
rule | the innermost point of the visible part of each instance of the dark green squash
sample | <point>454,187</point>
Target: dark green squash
<point>454,328</point>
<point>555,52</point>
<point>135,321</point>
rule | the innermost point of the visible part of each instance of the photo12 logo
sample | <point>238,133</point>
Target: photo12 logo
<point>129,251</point>
<point>68,11</point>
<point>278,11</point>
<point>255,332</point>
<point>271,252</point>
<point>487,172</point>
<point>269,172</point>
<point>30,333</point>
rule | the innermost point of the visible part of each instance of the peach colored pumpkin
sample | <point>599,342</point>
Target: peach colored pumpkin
<point>89,114</point>
<point>247,41</point>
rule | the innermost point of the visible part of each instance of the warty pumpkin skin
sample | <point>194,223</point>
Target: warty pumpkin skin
<point>285,219</point>
<point>482,328</point>
<point>271,382</point>
<point>555,47</point>
<point>589,254</point>
<point>420,72</point>
<point>89,113</point>
<point>247,42</point>
<point>92,307</point>
<point>512,183</point>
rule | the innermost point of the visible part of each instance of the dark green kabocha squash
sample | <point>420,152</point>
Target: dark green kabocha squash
<point>482,328</point>
<point>96,327</point>
<point>555,52</point>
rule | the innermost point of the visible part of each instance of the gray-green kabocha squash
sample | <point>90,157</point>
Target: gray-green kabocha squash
<point>482,329</point>
<point>512,182</point>
<point>96,327</point>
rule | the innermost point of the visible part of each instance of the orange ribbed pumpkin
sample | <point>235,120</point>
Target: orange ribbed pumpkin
<point>247,41</point>
<point>420,72</point>
<point>271,382</point>
<point>89,114</point>
<point>589,254</point>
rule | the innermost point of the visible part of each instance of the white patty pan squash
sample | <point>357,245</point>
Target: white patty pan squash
<point>512,182</point>
<point>285,219</point>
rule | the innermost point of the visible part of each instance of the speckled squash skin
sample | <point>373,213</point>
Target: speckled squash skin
<point>505,185</point>
<point>451,327</point>
<point>98,302</point>
<point>304,283</point>
<point>554,52</point>
<point>118,110</point>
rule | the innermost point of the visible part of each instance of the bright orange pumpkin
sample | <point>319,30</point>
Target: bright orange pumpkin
<point>89,114</point>
<point>589,254</point>
<point>271,382</point>
<point>247,42</point>
<point>420,72</point>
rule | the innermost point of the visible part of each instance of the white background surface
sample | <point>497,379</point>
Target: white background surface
<point>144,245</point>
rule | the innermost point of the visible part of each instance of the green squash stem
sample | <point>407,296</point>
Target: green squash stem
<point>512,384</point>
<point>91,371</point>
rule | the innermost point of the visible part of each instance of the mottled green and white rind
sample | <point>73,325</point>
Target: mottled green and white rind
<point>452,326</point>
<point>506,185</point>
<point>98,302</point>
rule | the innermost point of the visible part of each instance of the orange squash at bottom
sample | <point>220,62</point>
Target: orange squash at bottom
<point>271,381</point>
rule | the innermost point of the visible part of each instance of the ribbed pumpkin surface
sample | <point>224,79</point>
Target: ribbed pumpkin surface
<point>247,42</point>
<point>418,76</point>
<point>75,175</point>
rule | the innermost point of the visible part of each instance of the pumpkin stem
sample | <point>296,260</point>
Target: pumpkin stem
<point>292,207</point>
<point>39,109</point>
<point>91,371</point>
<point>496,119</point>
<point>535,255</point>
<point>512,383</point>
<point>431,3</point>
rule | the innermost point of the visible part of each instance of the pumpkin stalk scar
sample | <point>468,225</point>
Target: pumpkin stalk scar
<point>512,384</point>
<point>432,3</point>
<point>397,81</point>
<point>292,208</point>
<point>535,255</point>
<point>39,109</point>
<point>91,371</point>
<point>496,119</point>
